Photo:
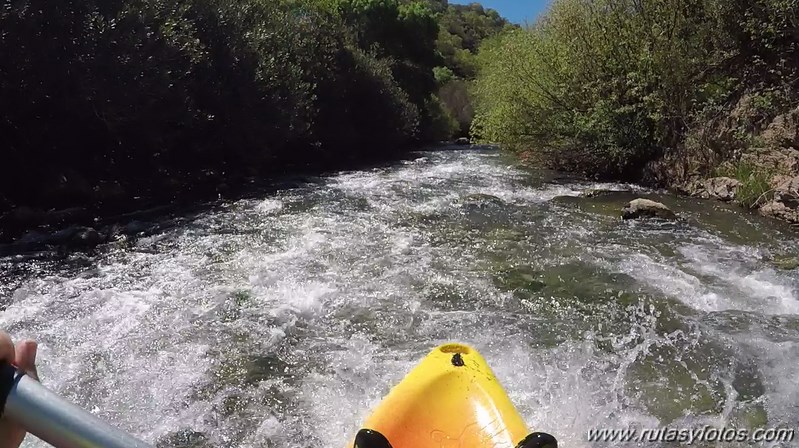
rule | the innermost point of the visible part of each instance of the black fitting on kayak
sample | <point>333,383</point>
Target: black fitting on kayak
<point>457,360</point>
<point>369,438</point>
<point>8,378</point>
<point>538,440</point>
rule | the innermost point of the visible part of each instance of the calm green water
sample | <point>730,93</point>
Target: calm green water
<point>280,321</point>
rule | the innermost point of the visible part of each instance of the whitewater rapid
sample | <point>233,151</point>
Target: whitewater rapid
<point>280,320</point>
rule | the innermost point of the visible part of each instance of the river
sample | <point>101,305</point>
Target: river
<point>280,320</point>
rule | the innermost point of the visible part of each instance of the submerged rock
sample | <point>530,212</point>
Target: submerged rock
<point>596,193</point>
<point>138,227</point>
<point>606,204</point>
<point>601,192</point>
<point>86,237</point>
<point>786,263</point>
<point>522,278</point>
<point>76,237</point>
<point>645,208</point>
<point>482,200</point>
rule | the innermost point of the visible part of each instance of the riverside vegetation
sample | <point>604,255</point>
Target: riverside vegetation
<point>113,105</point>
<point>696,95</point>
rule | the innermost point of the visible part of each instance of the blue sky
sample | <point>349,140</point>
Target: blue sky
<point>514,10</point>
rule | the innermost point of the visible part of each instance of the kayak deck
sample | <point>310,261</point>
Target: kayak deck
<point>450,400</point>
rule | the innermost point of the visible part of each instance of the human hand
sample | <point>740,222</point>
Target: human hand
<point>23,356</point>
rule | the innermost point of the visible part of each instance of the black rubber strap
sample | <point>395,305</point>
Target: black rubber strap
<point>369,438</point>
<point>538,440</point>
<point>9,376</point>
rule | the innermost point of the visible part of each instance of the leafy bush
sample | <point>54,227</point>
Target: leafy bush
<point>606,86</point>
<point>155,95</point>
<point>458,101</point>
<point>444,125</point>
<point>461,29</point>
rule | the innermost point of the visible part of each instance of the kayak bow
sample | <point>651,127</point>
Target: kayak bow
<point>450,400</point>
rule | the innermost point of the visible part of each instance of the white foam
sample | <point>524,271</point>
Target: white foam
<point>268,206</point>
<point>334,302</point>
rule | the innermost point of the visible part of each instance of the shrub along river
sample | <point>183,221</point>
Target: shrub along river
<point>279,321</point>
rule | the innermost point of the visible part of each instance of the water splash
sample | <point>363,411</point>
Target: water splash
<point>281,321</point>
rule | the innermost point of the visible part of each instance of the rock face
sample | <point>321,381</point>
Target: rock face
<point>784,130</point>
<point>645,208</point>
<point>771,155</point>
<point>774,160</point>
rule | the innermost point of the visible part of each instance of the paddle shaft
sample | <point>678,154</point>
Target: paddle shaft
<point>55,420</point>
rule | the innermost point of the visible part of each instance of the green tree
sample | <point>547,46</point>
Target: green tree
<point>155,96</point>
<point>607,86</point>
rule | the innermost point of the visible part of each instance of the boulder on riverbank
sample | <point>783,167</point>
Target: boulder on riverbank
<point>463,141</point>
<point>721,188</point>
<point>646,208</point>
<point>785,201</point>
<point>776,209</point>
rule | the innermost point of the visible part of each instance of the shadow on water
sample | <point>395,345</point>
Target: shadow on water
<point>55,239</point>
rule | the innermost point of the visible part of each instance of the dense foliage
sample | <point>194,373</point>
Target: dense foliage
<point>607,86</point>
<point>107,100</point>
<point>461,30</point>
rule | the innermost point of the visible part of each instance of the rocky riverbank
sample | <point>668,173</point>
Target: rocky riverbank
<point>762,174</point>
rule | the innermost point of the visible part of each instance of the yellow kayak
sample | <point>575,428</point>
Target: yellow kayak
<point>450,400</point>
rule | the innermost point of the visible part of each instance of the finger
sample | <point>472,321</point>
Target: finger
<point>6,348</point>
<point>26,358</point>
